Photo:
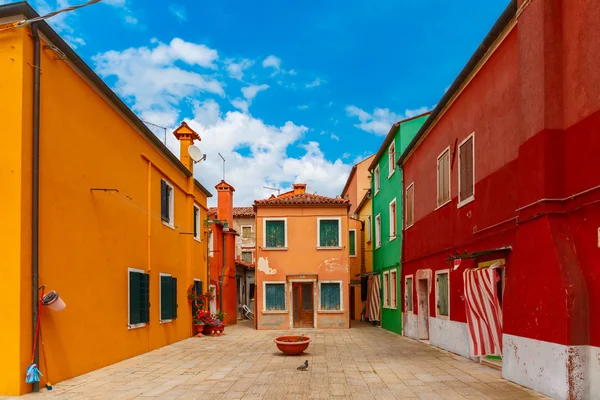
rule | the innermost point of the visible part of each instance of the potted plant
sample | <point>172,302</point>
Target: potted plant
<point>202,319</point>
<point>293,345</point>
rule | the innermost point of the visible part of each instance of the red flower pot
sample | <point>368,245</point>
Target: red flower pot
<point>208,330</point>
<point>294,345</point>
<point>199,328</point>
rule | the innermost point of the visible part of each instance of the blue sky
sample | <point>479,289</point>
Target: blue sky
<point>288,91</point>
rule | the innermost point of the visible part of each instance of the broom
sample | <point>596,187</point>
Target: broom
<point>33,374</point>
<point>48,384</point>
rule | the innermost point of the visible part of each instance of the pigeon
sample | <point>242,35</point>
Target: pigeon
<point>303,366</point>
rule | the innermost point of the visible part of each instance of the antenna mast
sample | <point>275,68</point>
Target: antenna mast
<point>270,188</point>
<point>223,165</point>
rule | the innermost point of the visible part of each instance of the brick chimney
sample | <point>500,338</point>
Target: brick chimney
<point>299,188</point>
<point>186,137</point>
<point>225,202</point>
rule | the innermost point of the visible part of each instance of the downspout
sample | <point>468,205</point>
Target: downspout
<point>35,193</point>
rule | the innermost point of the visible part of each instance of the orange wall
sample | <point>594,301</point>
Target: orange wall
<point>216,270</point>
<point>89,239</point>
<point>302,258</point>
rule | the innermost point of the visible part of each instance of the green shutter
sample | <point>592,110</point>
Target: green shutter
<point>352,243</point>
<point>166,297</point>
<point>275,296</point>
<point>442,283</point>
<point>329,233</point>
<point>275,234</point>
<point>330,296</point>
<point>174,297</point>
<point>195,222</point>
<point>134,298</point>
<point>164,201</point>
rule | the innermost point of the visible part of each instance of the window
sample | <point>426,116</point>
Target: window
<point>466,171</point>
<point>393,219</point>
<point>196,222</point>
<point>386,289</point>
<point>211,243</point>
<point>167,201</point>
<point>378,231</point>
<point>376,179</point>
<point>410,205</point>
<point>329,232</point>
<point>198,287</point>
<point>352,239</point>
<point>138,298</point>
<point>442,286</point>
<point>443,178</point>
<point>247,257</point>
<point>247,231</point>
<point>275,232</point>
<point>391,159</point>
<point>251,291</point>
<point>393,290</point>
<point>168,298</point>
<point>370,227</point>
<point>331,296</point>
<point>409,293</point>
<point>274,296</point>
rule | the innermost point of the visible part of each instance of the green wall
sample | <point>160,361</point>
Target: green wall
<point>388,256</point>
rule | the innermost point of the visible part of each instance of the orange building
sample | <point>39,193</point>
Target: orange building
<point>302,272</point>
<point>95,207</point>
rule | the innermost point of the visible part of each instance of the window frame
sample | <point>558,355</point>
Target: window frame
<point>251,231</point>
<point>355,244</point>
<point>378,231</point>
<point>197,224</point>
<point>440,205</point>
<point>412,216</point>
<point>251,256</point>
<point>472,197</point>
<point>393,235</point>
<point>131,326</point>
<point>406,294</point>
<point>437,292</point>
<point>376,179</point>
<point>162,321</point>
<point>370,229</point>
<point>171,222</point>
<point>285,232</point>
<point>264,296</point>
<point>341,310</point>
<point>393,294</point>
<point>340,242</point>
<point>391,159</point>
<point>386,289</point>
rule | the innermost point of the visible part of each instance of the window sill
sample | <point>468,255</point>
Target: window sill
<point>377,246</point>
<point>198,240</point>
<point>408,226</point>
<point>353,256</point>
<point>392,238</point>
<point>275,312</point>
<point>165,321</point>
<point>330,311</point>
<point>330,248</point>
<point>390,308</point>
<point>442,316</point>
<point>392,174</point>
<point>274,248</point>
<point>168,224</point>
<point>443,204</point>
<point>466,201</point>
<point>136,326</point>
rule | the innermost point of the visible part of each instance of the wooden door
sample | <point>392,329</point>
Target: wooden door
<point>303,304</point>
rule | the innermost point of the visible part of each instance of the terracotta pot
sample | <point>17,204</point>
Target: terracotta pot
<point>292,345</point>
<point>199,328</point>
<point>208,330</point>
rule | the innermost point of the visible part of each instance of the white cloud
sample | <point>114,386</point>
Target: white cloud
<point>272,62</point>
<point>335,137</point>
<point>178,12</point>
<point>313,84</point>
<point>303,107</point>
<point>251,91</point>
<point>130,19</point>
<point>236,68</point>
<point>381,120</point>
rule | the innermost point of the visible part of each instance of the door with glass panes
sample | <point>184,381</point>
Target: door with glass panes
<point>303,304</point>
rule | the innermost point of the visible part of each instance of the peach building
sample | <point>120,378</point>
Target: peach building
<point>302,271</point>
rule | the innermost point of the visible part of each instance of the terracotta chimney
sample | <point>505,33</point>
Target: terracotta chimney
<point>186,136</point>
<point>299,188</point>
<point>225,202</point>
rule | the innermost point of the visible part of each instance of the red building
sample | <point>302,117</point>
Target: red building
<point>501,182</point>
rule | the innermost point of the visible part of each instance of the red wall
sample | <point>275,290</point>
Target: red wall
<point>534,107</point>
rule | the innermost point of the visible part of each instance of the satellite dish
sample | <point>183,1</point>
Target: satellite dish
<point>196,154</point>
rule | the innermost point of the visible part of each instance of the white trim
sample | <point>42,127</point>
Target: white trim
<point>251,231</point>
<point>339,220</point>
<point>285,232</point>
<point>162,321</point>
<point>470,198</point>
<point>377,231</point>
<point>412,219</point>
<point>437,314</point>
<point>412,291</point>
<point>370,230</point>
<point>393,305</point>
<point>291,296</point>
<point>393,235</point>
<point>264,305</point>
<point>141,324</point>
<point>341,310</point>
<point>376,180</point>
<point>171,222</point>
<point>355,244</point>
<point>197,223</point>
<point>386,289</point>
<point>391,159</point>
<point>446,150</point>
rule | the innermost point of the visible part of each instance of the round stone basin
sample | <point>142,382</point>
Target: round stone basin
<point>293,345</point>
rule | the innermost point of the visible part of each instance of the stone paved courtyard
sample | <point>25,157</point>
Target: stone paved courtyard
<point>361,363</point>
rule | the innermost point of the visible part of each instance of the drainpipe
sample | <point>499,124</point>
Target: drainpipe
<point>35,192</point>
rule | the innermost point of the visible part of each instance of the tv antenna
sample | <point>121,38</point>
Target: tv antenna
<point>164,128</point>
<point>270,188</point>
<point>222,158</point>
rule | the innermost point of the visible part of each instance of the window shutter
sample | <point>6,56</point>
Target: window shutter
<point>330,296</point>
<point>174,297</point>
<point>275,296</point>
<point>164,201</point>
<point>466,169</point>
<point>352,238</point>
<point>275,234</point>
<point>442,282</point>
<point>134,298</point>
<point>198,287</point>
<point>329,233</point>
<point>195,222</point>
<point>166,297</point>
<point>144,297</point>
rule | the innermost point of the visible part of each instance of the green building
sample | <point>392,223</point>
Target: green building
<point>388,218</point>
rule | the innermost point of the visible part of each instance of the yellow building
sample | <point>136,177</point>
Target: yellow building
<point>117,213</point>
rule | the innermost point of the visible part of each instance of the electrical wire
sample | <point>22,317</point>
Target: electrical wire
<point>27,22</point>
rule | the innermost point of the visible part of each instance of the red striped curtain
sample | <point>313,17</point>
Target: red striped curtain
<point>484,315</point>
<point>374,298</point>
